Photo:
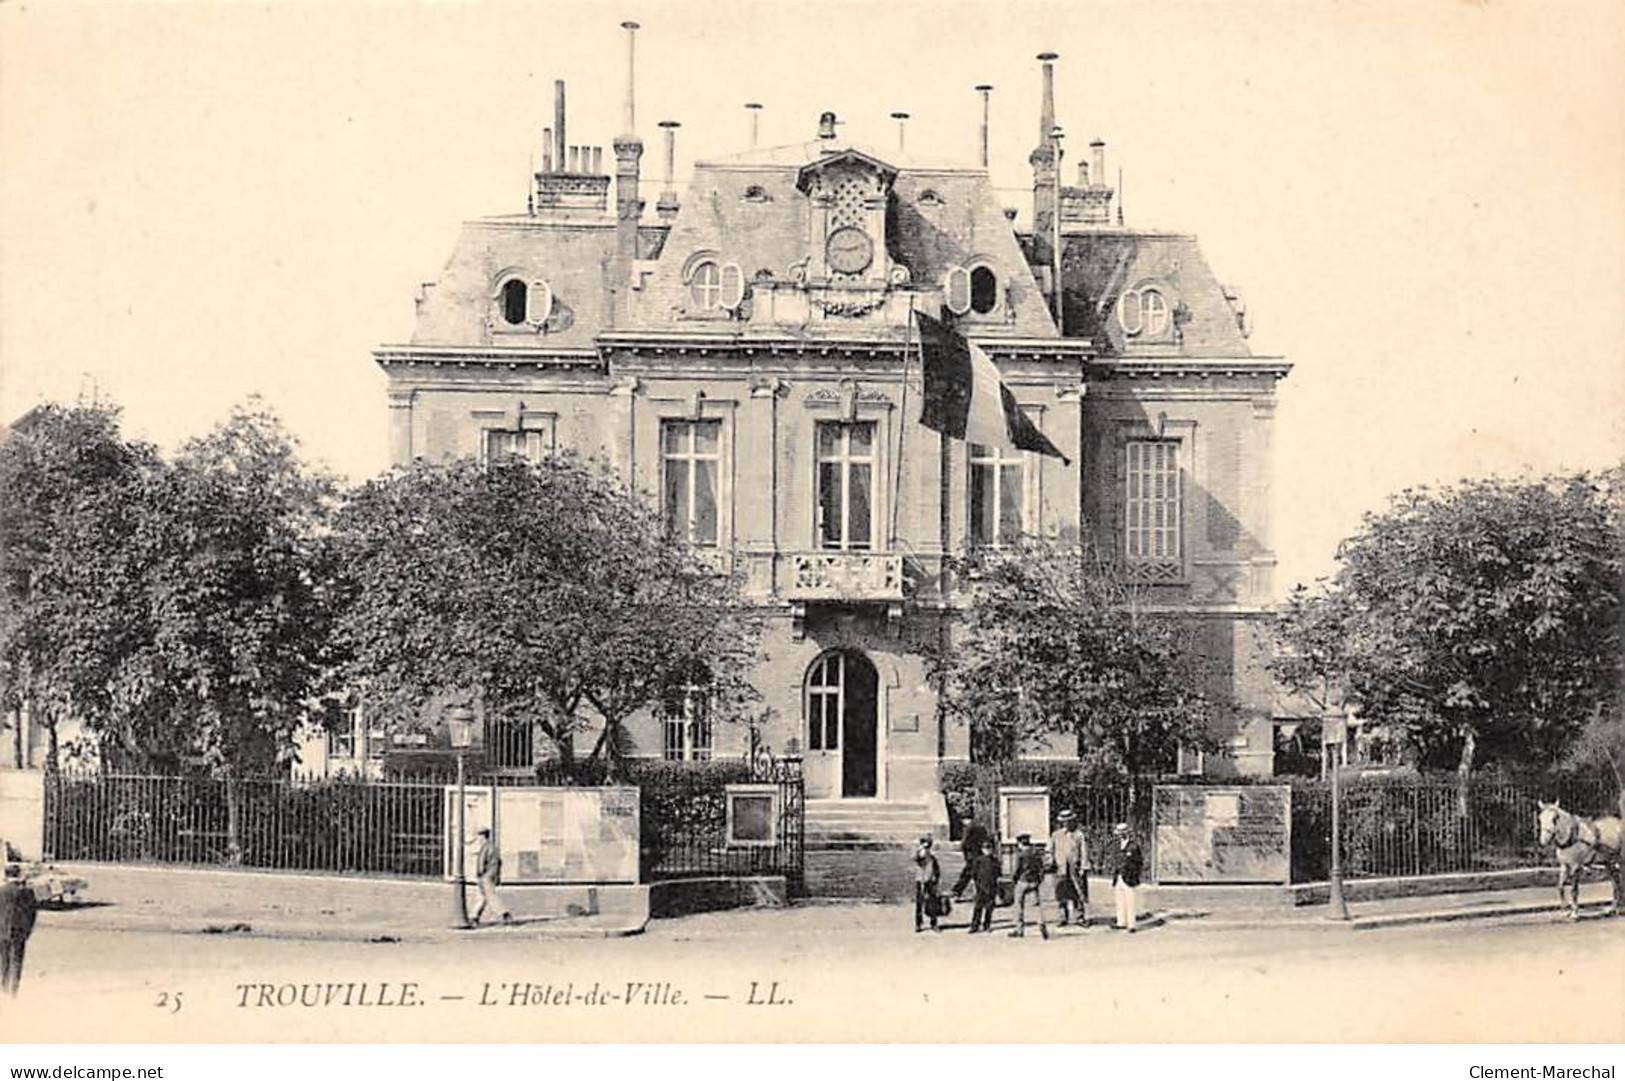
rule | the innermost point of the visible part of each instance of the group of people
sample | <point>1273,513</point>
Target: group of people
<point>1067,858</point>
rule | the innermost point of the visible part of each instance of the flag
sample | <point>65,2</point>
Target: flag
<point>966,399</point>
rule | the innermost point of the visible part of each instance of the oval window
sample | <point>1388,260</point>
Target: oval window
<point>984,290</point>
<point>705,285</point>
<point>1153,313</point>
<point>1128,312</point>
<point>513,302</point>
<point>540,303</point>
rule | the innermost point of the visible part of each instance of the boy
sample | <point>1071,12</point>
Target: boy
<point>927,876</point>
<point>1029,876</point>
<point>982,869</point>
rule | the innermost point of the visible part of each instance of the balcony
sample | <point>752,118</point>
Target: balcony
<point>845,576</point>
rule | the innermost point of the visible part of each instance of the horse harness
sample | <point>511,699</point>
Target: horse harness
<point>1577,829</point>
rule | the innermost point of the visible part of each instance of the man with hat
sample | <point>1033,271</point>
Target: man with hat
<point>1069,856</point>
<point>1029,876</point>
<point>927,877</point>
<point>488,868</point>
<point>1126,869</point>
<point>16,922</point>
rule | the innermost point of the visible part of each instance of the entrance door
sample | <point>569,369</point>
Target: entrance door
<point>842,717</point>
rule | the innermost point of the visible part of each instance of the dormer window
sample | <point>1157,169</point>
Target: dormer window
<point>929,198</point>
<point>705,285</point>
<point>756,194</point>
<point>513,302</point>
<point>1144,313</point>
<point>522,302</point>
<point>984,290</point>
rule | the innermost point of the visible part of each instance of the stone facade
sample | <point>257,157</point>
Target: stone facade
<point>766,321</point>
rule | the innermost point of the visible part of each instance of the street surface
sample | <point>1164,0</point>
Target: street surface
<point>838,972</point>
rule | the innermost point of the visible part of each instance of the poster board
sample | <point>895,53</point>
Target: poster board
<point>1218,833</point>
<point>478,813</point>
<point>753,815</point>
<point>568,835</point>
<point>1023,810</point>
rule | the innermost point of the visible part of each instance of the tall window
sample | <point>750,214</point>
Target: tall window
<point>997,486</point>
<point>825,694</point>
<point>1151,503</point>
<point>705,285</point>
<point>687,712</point>
<point>514,302</point>
<point>504,444</point>
<point>690,462</point>
<point>846,467</point>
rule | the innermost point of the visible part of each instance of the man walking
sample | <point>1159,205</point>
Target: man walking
<point>17,910</point>
<point>1126,869</point>
<point>488,866</point>
<point>1029,876</point>
<point>982,868</point>
<point>1069,855</point>
<point>927,877</point>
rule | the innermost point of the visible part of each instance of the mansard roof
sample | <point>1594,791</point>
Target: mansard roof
<point>1100,265</point>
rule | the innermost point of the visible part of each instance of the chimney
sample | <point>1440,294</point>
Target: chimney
<point>1046,164</point>
<point>1098,152</point>
<point>547,150</point>
<point>666,208</point>
<point>826,125</point>
<point>628,150</point>
<point>986,90</point>
<point>755,110</point>
<point>902,122</point>
<point>558,123</point>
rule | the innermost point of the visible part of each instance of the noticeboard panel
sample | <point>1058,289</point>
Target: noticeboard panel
<point>1210,833</point>
<point>568,835</point>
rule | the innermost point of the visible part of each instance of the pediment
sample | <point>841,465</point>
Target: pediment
<point>845,159</point>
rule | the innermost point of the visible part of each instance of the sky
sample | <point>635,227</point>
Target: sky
<point>1422,203</point>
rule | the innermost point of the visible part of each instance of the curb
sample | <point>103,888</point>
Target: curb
<point>1199,921</point>
<point>225,927</point>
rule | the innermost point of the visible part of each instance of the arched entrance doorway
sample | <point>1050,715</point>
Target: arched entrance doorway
<point>843,714</point>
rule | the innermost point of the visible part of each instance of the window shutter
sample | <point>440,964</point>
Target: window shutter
<point>733,286</point>
<point>539,303</point>
<point>956,290</point>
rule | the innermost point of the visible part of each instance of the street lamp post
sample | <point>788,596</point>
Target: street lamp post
<point>1338,908</point>
<point>460,727</point>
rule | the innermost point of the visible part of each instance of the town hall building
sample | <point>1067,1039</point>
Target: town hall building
<point>744,351</point>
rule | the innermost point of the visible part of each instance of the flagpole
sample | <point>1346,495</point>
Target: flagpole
<point>902,422</point>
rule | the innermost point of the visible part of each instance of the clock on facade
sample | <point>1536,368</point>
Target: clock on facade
<point>849,250</point>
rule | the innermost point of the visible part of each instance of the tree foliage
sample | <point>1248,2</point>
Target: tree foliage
<point>548,589</point>
<point>72,607</point>
<point>1482,620</point>
<point>176,608</point>
<point>1052,643</point>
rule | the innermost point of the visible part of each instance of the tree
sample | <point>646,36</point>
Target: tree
<point>230,545</point>
<point>548,589</point>
<point>70,585</point>
<point>1052,642</point>
<point>1482,620</point>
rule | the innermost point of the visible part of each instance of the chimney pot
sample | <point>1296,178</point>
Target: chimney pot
<point>755,110</point>
<point>547,150</point>
<point>558,123</point>
<point>631,29</point>
<point>1098,149</point>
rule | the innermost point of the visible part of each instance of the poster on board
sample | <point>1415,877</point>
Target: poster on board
<point>1207,833</point>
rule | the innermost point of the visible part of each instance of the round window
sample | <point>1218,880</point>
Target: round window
<point>1153,313</point>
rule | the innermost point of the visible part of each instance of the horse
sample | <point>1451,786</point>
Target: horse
<point>1581,843</point>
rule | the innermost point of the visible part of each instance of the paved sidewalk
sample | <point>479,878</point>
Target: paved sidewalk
<point>1595,897</point>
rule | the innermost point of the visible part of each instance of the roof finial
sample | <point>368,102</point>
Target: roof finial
<point>755,110</point>
<point>902,122</point>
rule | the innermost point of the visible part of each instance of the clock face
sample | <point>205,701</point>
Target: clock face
<point>849,250</point>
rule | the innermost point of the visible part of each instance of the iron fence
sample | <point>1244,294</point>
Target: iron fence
<point>1397,828</point>
<point>395,827</point>
<point>339,825</point>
